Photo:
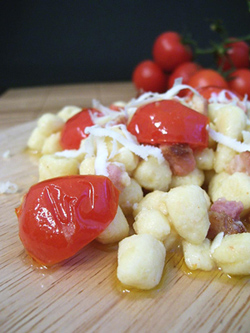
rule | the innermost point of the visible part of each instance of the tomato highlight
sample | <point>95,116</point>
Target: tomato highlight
<point>169,121</point>
<point>59,216</point>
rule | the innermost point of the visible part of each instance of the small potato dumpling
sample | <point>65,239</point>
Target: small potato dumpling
<point>36,140</point>
<point>198,256</point>
<point>233,254</point>
<point>153,200</point>
<point>153,222</point>
<point>213,109</point>
<point>195,177</point>
<point>51,166</point>
<point>141,260</point>
<point>52,144</point>
<point>205,159</point>
<point>126,157</point>
<point>215,183</point>
<point>50,123</point>
<point>47,124</point>
<point>173,239</point>
<point>116,230</point>
<point>235,187</point>
<point>188,210</point>
<point>153,176</point>
<point>68,111</point>
<point>130,195</point>
<point>230,120</point>
<point>222,157</point>
<point>87,166</point>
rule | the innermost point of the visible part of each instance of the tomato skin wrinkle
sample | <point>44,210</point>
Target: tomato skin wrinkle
<point>59,216</point>
<point>73,131</point>
<point>169,121</point>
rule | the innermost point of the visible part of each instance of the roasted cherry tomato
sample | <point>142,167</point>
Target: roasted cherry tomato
<point>169,121</point>
<point>207,77</point>
<point>73,130</point>
<point>236,56</point>
<point>240,81</point>
<point>169,51</point>
<point>148,76</point>
<point>184,71</point>
<point>59,216</point>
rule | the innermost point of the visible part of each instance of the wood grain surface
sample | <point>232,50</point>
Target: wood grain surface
<point>83,294</point>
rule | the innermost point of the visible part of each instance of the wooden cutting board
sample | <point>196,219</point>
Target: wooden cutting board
<point>83,294</point>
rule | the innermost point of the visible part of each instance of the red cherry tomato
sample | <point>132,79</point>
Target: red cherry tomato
<point>236,55</point>
<point>59,216</point>
<point>169,51</point>
<point>240,81</point>
<point>169,121</point>
<point>148,76</point>
<point>184,71</point>
<point>207,77</point>
<point>73,130</point>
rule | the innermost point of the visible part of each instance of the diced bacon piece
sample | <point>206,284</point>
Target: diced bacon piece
<point>240,163</point>
<point>180,158</point>
<point>231,208</point>
<point>224,216</point>
<point>221,222</point>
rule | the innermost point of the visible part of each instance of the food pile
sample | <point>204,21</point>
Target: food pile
<point>175,56</point>
<point>153,174</point>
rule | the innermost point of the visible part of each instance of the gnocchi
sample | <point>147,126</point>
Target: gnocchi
<point>165,202</point>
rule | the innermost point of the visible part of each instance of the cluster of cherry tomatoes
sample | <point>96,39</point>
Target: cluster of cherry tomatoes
<point>173,59</point>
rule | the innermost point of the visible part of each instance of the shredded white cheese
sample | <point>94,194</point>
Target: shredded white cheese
<point>221,98</point>
<point>216,242</point>
<point>8,187</point>
<point>101,157</point>
<point>70,153</point>
<point>129,141</point>
<point>6,154</point>
<point>109,116</point>
<point>150,97</point>
<point>227,141</point>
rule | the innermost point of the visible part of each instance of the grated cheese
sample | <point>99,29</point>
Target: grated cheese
<point>109,116</point>
<point>149,97</point>
<point>70,153</point>
<point>227,141</point>
<point>218,98</point>
<point>8,187</point>
<point>216,242</point>
<point>6,154</point>
<point>129,141</point>
<point>101,157</point>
